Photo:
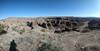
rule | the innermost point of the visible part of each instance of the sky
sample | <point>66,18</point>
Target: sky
<point>31,8</point>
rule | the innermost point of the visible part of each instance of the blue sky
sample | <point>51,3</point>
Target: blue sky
<point>29,8</point>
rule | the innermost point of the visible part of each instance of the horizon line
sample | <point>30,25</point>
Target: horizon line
<point>46,16</point>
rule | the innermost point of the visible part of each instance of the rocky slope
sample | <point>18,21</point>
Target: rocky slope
<point>50,34</point>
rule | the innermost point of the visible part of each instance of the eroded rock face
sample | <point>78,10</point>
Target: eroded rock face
<point>66,24</point>
<point>94,24</point>
<point>60,24</point>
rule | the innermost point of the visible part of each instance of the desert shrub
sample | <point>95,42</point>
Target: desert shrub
<point>30,24</point>
<point>17,30</point>
<point>2,31</point>
<point>57,31</point>
<point>42,25</point>
<point>22,24</point>
<point>14,28</point>
<point>22,31</point>
<point>48,47</point>
<point>43,30</point>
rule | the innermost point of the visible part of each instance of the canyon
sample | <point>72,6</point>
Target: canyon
<point>58,33</point>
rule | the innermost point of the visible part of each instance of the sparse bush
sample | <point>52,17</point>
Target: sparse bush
<point>48,47</point>
<point>22,31</point>
<point>22,24</point>
<point>2,31</point>
<point>14,28</point>
<point>19,31</point>
<point>42,25</point>
<point>30,24</point>
<point>43,30</point>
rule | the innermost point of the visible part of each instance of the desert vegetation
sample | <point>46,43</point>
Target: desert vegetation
<point>30,24</point>
<point>48,47</point>
<point>2,31</point>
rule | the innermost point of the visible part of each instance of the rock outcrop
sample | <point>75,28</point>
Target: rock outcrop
<point>66,24</point>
